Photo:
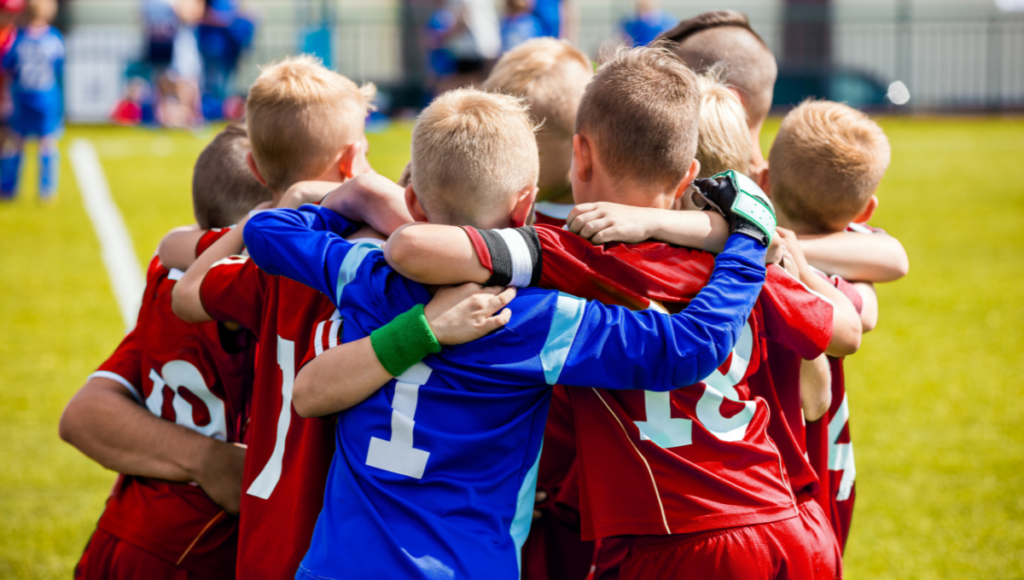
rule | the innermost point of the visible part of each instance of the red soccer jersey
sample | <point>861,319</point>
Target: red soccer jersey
<point>829,445</point>
<point>288,457</point>
<point>698,458</point>
<point>196,376</point>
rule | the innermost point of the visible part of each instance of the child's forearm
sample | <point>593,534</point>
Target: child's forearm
<point>434,254</point>
<point>701,230</point>
<point>854,256</point>
<point>105,423</point>
<point>815,387</point>
<point>338,379</point>
<point>372,199</point>
<point>178,248</point>
<point>186,300</point>
<point>869,309</point>
<point>846,324</point>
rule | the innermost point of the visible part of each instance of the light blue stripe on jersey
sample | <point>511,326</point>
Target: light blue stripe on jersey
<point>568,316</point>
<point>350,265</point>
<point>524,510</point>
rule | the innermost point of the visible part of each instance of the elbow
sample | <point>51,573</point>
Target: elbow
<point>301,398</point>
<point>67,429</point>
<point>401,249</point>
<point>181,302</point>
<point>816,408</point>
<point>846,339</point>
<point>868,323</point>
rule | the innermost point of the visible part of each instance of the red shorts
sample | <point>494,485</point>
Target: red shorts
<point>107,557</point>
<point>555,551</point>
<point>789,549</point>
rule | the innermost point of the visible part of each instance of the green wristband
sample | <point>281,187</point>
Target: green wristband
<point>404,341</point>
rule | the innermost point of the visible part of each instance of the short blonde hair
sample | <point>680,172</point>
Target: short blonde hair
<point>551,75</point>
<point>472,152</point>
<point>300,116</point>
<point>723,139</point>
<point>826,163</point>
<point>642,107</point>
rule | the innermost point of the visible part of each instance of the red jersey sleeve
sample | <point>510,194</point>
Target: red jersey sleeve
<point>848,290</point>
<point>326,335</point>
<point>209,238</point>
<point>124,366</point>
<point>233,291</point>
<point>794,316</point>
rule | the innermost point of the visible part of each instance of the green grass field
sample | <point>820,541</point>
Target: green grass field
<point>936,393</point>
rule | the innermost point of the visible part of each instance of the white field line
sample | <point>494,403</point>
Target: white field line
<point>126,278</point>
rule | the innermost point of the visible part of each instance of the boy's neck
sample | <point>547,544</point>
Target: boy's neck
<point>800,228</point>
<point>559,194</point>
<point>629,192</point>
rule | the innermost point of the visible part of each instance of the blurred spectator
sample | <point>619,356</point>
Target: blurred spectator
<point>9,11</point>
<point>474,41</point>
<point>648,22</point>
<point>169,94</point>
<point>35,62</point>
<point>549,17</point>
<point>518,25</point>
<point>440,61</point>
<point>225,32</point>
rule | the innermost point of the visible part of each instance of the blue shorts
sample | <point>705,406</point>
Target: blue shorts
<point>31,122</point>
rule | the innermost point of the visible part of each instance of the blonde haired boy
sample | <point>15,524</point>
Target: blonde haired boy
<point>826,163</point>
<point>434,474</point>
<point>723,139</point>
<point>306,123</point>
<point>551,76</point>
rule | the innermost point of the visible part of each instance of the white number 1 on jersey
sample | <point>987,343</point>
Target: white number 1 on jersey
<point>398,455</point>
<point>266,481</point>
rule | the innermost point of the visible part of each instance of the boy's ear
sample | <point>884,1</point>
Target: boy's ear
<point>350,162</point>
<point>868,211</point>
<point>523,209</point>
<point>413,204</point>
<point>691,174</point>
<point>582,156</point>
<point>762,181</point>
<point>251,162</point>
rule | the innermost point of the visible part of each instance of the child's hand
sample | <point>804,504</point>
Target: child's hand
<point>776,251</point>
<point>604,222</point>
<point>305,192</point>
<point>372,199</point>
<point>793,257</point>
<point>459,314</point>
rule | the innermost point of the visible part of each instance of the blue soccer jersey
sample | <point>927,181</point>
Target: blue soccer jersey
<point>434,474</point>
<point>36,62</point>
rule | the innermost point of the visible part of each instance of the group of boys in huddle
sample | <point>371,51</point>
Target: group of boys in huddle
<point>585,349</point>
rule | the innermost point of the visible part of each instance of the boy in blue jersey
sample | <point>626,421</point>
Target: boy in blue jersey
<point>646,24</point>
<point>35,63</point>
<point>434,474</point>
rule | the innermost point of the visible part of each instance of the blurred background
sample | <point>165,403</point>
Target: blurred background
<point>913,55</point>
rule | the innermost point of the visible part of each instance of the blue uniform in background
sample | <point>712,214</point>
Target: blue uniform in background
<point>517,29</point>
<point>643,28</point>
<point>549,14</point>
<point>434,474</point>
<point>35,64</point>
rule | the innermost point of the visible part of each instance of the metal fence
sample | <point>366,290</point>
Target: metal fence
<point>946,63</point>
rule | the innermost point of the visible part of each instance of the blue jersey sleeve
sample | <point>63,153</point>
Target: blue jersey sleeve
<point>305,245</point>
<point>595,345</point>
